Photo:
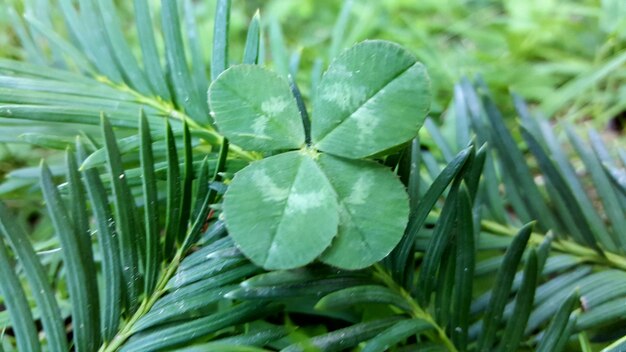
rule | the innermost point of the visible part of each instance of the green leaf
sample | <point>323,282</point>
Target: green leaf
<point>396,333</point>
<point>367,232</point>
<point>119,47</point>
<point>184,93</point>
<point>125,216</point>
<point>81,282</point>
<point>342,339</point>
<point>464,271</point>
<point>423,208</point>
<point>36,276</point>
<point>437,245</point>
<point>16,303</point>
<point>185,309</point>
<point>150,55</point>
<point>264,119</point>
<point>362,294</point>
<point>502,288</point>
<point>558,324</point>
<point>339,29</point>
<point>219,59</point>
<point>151,205</point>
<point>187,179</point>
<point>253,39</point>
<point>580,218</point>
<point>178,333</point>
<point>109,250</point>
<point>514,330</point>
<point>273,209</point>
<point>375,85</point>
<point>312,288</point>
<point>173,203</point>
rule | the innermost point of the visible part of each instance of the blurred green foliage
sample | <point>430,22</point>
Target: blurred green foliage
<point>564,55</point>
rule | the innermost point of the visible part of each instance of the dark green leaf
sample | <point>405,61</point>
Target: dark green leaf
<point>345,338</point>
<point>151,206</point>
<point>16,303</point>
<point>366,294</point>
<point>514,330</point>
<point>125,212</point>
<point>559,324</point>
<point>36,276</point>
<point>177,333</point>
<point>502,288</point>
<point>396,333</point>
<point>109,250</point>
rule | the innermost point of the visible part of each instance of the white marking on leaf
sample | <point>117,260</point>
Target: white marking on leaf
<point>366,122</point>
<point>344,95</point>
<point>360,191</point>
<point>260,124</point>
<point>270,190</point>
<point>274,106</point>
<point>301,202</point>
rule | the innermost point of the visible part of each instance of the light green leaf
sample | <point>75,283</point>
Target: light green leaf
<point>254,108</point>
<point>375,85</point>
<point>367,232</point>
<point>281,211</point>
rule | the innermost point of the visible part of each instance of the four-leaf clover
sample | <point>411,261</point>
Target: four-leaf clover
<point>322,200</point>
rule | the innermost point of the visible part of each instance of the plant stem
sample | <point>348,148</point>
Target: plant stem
<point>416,311</point>
<point>167,109</point>
<point>145,306</point>
<point>567,246</point>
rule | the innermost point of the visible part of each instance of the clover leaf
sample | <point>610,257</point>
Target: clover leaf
<point>321,201</point>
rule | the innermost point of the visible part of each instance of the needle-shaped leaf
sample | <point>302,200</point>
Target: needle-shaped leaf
<point>81,282</point>
<point>120,50</point>
<point>187,180</point>
<point>436,247</point>
<point>281,211</point>
<point>558,324</point>
<point>362,294</point>
<point>374,86</point>
<point>185,94</point>
<point>151,205</point>
<point>109,250</point>
<point>150,55</point>
<point>502,288</point>
<point>396,333</point>
<point>514,330</point>
<point>172,212</point>
<point>36,276</point>
<point>342,339</point>
<point>177,333</point>
<point>423,207</point>
<point>219,58</point>
<point>464,271</point>
<point>368,231</point>
<point>253,39</point>
<point>125,213</point>
<point>257,119</point>
<point>16,303</point>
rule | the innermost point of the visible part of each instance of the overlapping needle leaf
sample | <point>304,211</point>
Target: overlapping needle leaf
<point>324,200</point>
